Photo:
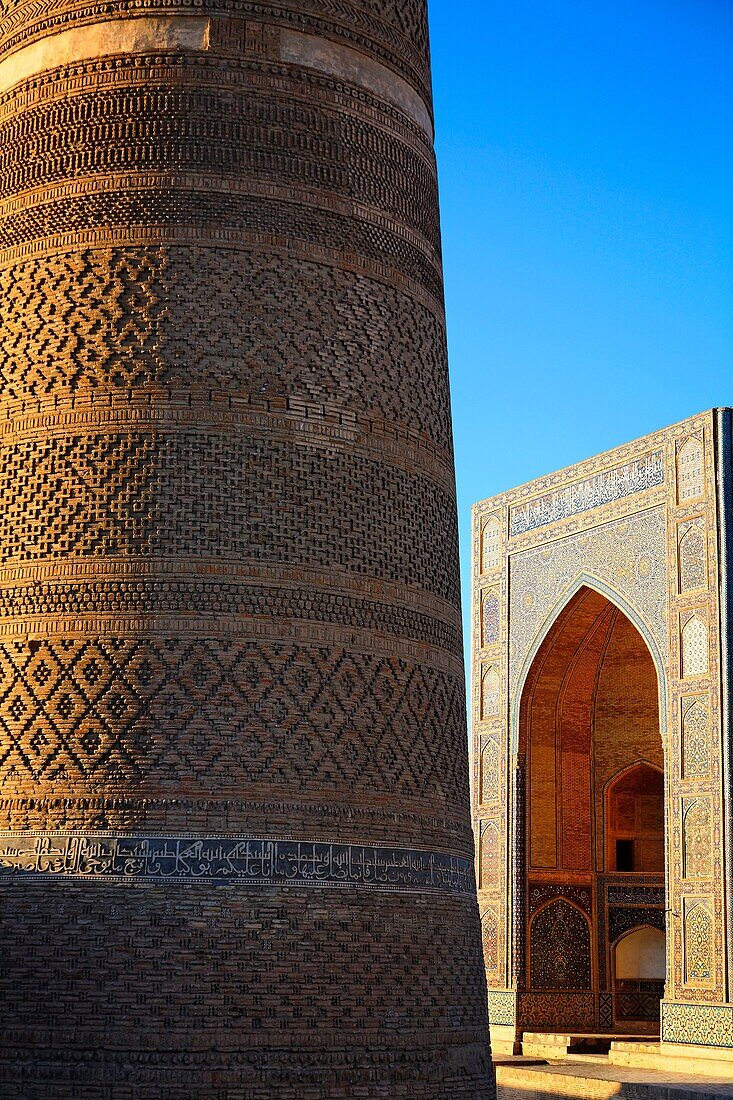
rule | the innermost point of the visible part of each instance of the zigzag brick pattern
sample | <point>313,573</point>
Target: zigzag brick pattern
<point>229,602</point>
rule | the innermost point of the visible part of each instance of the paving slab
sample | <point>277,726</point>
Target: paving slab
<point>596,1081</point>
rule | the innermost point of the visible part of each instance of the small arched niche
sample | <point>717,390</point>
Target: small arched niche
<point>640,956</point>
<point>635,821</point>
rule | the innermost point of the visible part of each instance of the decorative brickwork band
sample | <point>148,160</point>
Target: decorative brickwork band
<point>237,861</point>
<point>118,36</point>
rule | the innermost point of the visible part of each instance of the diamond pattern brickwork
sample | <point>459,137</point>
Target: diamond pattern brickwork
<point>221,714</point>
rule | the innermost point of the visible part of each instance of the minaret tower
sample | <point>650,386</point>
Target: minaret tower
<point>235,858</point>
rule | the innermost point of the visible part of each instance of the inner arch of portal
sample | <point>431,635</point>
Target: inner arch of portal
<point>650,632</point>
<point>591,747</point>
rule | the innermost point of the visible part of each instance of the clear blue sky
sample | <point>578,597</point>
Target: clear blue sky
<point>586,161</point>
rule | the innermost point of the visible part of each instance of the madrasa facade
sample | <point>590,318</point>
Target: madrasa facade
<point>602,769</point>
<point>236,858</point>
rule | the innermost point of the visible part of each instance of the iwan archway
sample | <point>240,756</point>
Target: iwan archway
<point>592,877</point>
<point>603,744</point>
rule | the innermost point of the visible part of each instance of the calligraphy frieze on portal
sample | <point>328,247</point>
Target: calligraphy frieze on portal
<point>238,861</point>
<point>634,895</point>
<point>602,488</point>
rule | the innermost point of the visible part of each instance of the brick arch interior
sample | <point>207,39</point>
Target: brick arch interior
<point>589,736</point>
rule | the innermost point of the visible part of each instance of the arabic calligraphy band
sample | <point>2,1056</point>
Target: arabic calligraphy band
<point>242,861</point>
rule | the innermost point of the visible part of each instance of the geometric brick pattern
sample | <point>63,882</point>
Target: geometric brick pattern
<point>119,495</point>
<point>224,596</point>
<point>130,328</point>
<point>243,219</point>
<point>186,127</point>
<point>210,997</point>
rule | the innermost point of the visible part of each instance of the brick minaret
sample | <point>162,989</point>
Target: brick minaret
<point>235,857</point>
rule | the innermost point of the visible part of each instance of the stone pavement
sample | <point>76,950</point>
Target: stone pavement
<point>597,1079</point>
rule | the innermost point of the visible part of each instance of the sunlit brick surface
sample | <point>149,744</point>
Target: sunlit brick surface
<point>228,559</point>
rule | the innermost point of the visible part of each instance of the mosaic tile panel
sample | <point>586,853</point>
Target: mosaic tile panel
<point>502,1007</point>
<point>491,545</point>
<point>692,555</point>
<point>489,862</point>
<point>490,693</point>
<point>698,942</point>
<point>690,470</point>
<point>697,839</point>
<point>706,1025</point>
<point>490,618</point>
<point>622,920</point>
<point>541,893</point>
<point>696,749</point>
<point>490,939</point>
<point>490,772</point>
<point>695,648</point>
<point>560,948</point>
<point>557,1010</point>
<point>630,555</point>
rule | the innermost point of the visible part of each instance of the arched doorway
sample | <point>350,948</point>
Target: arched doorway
<point>639,966</point>
<point>593,873</point>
